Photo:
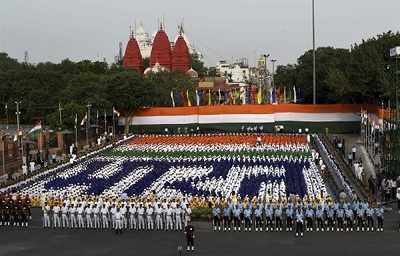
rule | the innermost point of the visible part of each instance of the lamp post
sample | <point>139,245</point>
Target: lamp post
<point>314,64</point>
<point>273,75</point>
<point>88,123</point>
<point>6,109</point>
<point>105,122</point>
<point>60,113</point>
<point>76,130</point>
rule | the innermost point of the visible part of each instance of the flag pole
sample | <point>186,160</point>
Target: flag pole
<point>76,130</point>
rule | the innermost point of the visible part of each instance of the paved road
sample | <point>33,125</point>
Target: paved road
<point>36,241</point>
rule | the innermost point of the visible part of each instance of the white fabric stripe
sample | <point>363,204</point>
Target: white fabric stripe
<point>247,118</point>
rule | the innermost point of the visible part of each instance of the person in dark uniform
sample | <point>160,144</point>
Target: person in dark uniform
<point>28,205</point>
<point>189,232</point>
<point>24,215</point>
<point>2,209</point>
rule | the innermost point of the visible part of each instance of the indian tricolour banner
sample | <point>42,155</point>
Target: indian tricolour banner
<point>236,114</point>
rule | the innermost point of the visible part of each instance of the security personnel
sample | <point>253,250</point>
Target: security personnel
<point>348,212</point>
<point>289,217</point>
<point>340,219</point>
<point>360,218</point>
<point>330,214</point>
<point>310,218</point>
<point>24,215</point>
<point>247,213</point>
<point>319,213</point>
<point>379,212</point>
<point>258,216</point>
<point>236,218</point>
<point>189,232</point>
<point>370,218</point>
<point>2,211</point>
<point>278,217</point>
<point>227,218</point>
<point>299,221</point>
<point>216,212</point>
<point>28,204</point>
<point>269,212</point>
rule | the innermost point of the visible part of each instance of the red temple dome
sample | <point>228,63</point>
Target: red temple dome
<point>181,59</point>
<point>133,58</point>
<point>161,50</point>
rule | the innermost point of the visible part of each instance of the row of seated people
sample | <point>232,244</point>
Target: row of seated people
<point>230,138</point>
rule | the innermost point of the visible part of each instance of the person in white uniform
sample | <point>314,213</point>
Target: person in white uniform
<point>96,216</point>
<point>89,222</point>
<point>168,213</point>
<point>149,215</point>
<point>80,210</point>
<point>132,217</point>
<point>104,217</point>
<point>178,218</point>
<point>64,216</point>
<point>72,217</point>
<point>118,221</point>
<point>140,212</point>
<point>159,220</point>
<point>56,216</point>
<point>46,216</point>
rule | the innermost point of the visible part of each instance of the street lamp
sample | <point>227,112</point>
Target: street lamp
<point>273,72</point>
<point>314,64</point>
<point>60,113</point>
<point>88,123</point>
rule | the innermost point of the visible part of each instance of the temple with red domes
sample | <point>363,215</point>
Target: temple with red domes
<point>164,55</point>
<point>133,58</point>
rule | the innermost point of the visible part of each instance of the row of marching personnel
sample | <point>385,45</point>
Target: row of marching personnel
<point>15,210</point>
<point>272,216</point>
<point>118,215</point>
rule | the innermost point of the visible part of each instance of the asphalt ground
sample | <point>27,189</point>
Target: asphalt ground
<point>35,240</point>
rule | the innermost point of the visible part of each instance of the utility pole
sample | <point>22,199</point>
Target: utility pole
<point>105,122</point>
<point>60,113</point>
<point>3,138</point>
<point>6,109</point>
<point>314,64</point>
<point>273,77</point>
<point>97,122</point>
<point>18,124</point>
<point>88,123</point>
<point>76,130</point>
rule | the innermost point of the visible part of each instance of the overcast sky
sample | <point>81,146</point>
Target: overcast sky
<point>52,30</point>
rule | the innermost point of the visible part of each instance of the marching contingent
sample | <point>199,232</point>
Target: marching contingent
<point>15,210</point>
<point>132,214</point>
<point>154,182</point>
<point>300,215</point>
